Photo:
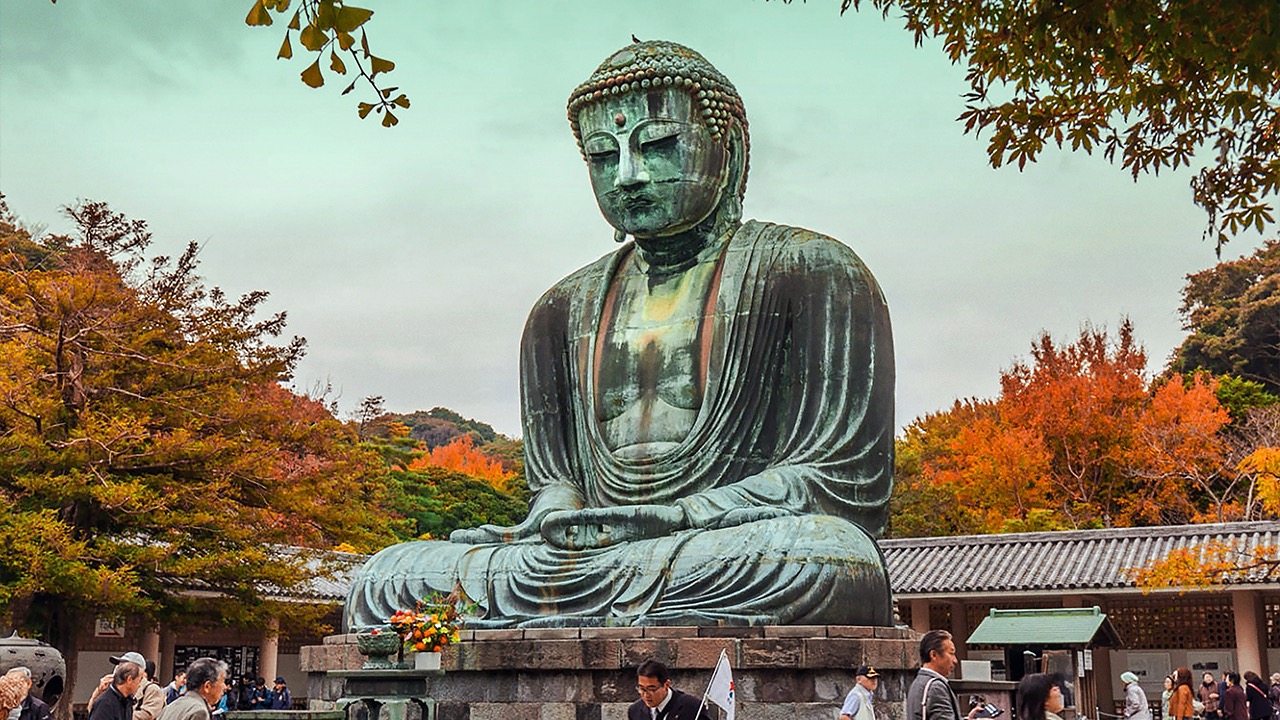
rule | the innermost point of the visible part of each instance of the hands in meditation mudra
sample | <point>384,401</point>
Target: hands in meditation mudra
<point>708,410</point>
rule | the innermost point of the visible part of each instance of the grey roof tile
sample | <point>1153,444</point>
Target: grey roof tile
<point>1045,561</point>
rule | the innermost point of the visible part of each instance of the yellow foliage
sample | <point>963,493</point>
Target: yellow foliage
<point>1211,564</point>
<point>1265,464</point>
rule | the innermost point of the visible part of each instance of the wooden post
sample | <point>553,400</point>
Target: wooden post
<point>920,615</point>
<point>1251,624</point>
<point>268,651</point>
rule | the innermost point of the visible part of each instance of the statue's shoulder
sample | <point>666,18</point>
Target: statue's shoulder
<point>802,250</point>
<point>577,285</point>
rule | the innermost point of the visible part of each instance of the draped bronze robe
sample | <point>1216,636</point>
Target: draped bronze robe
<point>797,416</point>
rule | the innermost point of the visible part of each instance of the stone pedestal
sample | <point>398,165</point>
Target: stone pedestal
<point>385,694</point>
<point>779,672</point>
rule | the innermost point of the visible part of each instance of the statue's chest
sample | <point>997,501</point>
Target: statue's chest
<point>651,355</point>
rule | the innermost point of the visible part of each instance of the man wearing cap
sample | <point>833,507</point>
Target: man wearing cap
<point>1135,698</point>
<point>148,699</point>
<point>857,704</point>
<point>281,699</point>
<point>116,702</point>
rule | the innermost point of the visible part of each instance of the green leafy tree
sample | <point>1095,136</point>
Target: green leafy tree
<point>431,489</point>
<point>1232,311</point>
<point>1240,397</point>
<point>440,426</point>
<point>436,502</point>
<point>1149,83</point>
<point>147,446</point>
<point>482,431</point>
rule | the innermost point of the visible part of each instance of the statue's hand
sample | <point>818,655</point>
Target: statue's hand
<point>742,516</point>
<point>497,533</point>
<point>601,527</point>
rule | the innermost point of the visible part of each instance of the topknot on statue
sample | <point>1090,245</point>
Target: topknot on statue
<point>658,64</point>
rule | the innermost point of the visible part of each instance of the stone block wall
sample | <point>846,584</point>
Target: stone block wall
<point>780,673</point>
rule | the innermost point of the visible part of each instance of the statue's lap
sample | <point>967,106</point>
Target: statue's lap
<point>810,569</point>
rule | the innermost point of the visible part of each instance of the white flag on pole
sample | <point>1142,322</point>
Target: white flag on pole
<point>720,691</point>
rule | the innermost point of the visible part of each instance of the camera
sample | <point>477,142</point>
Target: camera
<point>985,709</point>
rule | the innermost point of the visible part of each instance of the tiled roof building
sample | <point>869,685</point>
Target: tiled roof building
<point>1050,562</point>
<point>952,583</point>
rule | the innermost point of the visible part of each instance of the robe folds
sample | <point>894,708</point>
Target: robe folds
<point>796,420</point>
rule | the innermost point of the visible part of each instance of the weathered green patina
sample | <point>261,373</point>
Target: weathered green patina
<point>708,411</point>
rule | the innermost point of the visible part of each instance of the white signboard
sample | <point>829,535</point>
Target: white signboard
<point>104,628</point>
<point>1150,667</point>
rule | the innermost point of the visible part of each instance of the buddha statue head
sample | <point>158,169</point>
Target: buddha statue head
<point>664,135</point>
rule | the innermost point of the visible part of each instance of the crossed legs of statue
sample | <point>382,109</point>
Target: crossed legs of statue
<point>806,570</point>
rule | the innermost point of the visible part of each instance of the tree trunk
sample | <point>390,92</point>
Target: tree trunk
<point>64,631</point>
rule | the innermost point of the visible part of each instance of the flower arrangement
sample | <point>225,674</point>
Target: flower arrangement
<point>433,623</point>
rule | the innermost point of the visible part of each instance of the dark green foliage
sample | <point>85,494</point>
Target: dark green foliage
<point>439,501</point>
<point>1233,313</point>
<point>434,432</point>
<point>483,432</point>
<point>435,427</point>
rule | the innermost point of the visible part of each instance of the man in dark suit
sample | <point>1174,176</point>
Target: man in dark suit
<point>116,703</point>
<point>658,700</point>
<point>930,697</point>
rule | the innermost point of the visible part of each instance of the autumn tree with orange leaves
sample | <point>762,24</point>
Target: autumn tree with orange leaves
<point>444,471</point>
<point>462,456</point>
<point>1079,437</point>
<point>147,444</point>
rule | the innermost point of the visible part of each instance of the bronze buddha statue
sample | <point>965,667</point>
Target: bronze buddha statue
<point>708,410</point>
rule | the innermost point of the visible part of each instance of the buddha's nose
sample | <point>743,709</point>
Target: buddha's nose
<point>631,170</point>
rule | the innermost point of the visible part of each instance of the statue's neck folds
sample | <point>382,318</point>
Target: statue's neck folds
<point>674,254</point>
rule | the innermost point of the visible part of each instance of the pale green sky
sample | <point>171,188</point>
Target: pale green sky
<point>410,257</point>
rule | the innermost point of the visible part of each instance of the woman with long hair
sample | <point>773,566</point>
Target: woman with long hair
<point>1039,697</point>
<point>1180,702</point>
<point>1255,692</point>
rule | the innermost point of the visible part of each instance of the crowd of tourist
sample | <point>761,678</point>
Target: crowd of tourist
<point>1231,697</point>
<point>243,693</point>
<point>130,692</point>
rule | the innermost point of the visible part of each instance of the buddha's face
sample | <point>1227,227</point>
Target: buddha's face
<point>654,167</point>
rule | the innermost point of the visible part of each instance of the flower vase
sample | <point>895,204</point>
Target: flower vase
<point>378,646</point>
<point>426,661</point>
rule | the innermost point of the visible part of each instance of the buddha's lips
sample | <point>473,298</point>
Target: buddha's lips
<point>642,201</point>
